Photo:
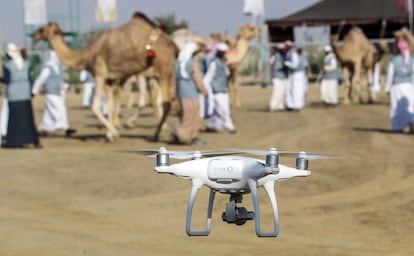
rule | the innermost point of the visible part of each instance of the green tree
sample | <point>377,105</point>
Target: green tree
<point>170,23</point>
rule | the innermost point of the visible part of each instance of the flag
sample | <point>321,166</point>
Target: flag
<point>253,7</point>
<point>106,11</point>
<point>35,12</point>
<point>403,5</point>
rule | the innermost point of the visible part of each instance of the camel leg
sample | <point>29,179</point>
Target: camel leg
<point>156,98</point>
<point>347,85</point>
<point>166,105</point>
<point>117,96</point>
<point>356,83</point>
<point>233,92</point>
<point>142,85</point>
<point>112,112</point>
<point>97,109</point>
<point>131,85</point>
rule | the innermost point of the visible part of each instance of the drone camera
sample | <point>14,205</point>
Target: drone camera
<point>236,215</point>
<point>302,161</point>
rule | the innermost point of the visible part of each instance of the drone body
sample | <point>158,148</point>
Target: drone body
<point>233,174</point>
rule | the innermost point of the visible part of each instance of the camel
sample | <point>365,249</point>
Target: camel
<point>235,55</point>
<point>113,56</point>
<point>405,34</point>
<point>356,54</point>
<point>183,35</point>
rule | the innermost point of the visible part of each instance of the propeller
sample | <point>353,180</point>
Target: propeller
<point>302,154</point>
<point>180,154</point>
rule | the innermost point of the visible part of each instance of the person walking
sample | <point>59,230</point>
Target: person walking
<point>217,78</point>
<point>329,83</point>
<point>21,129</point>
<point>294,90</point>
<point>189,85</point>
<point>55,114</point>
<point>400,85</point>
<point>279,78</point>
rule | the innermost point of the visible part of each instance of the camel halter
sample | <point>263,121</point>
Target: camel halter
<point>153,38</point>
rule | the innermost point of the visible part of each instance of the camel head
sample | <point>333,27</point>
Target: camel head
<point>248,32</point>
<point>46,32</point>
<point>334,39</point>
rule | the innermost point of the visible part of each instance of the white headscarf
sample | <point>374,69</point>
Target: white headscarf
<point>53,61</point>
<point>185,55</point>
<point>14,53</point>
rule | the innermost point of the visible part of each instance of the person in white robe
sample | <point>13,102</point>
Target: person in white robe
<point>295,94</point>
<point>329,83</point>
<point>217,79</point>
<point>400,85</point>
<point>55,113</point>
<point>279,78</point>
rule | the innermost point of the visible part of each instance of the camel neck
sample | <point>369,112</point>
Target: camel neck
<point>74,59</point>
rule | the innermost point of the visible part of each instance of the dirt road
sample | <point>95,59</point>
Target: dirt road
<point>81,196</point>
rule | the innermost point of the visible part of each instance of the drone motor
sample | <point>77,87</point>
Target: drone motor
<point>163,158</point>
<point>302,161</point>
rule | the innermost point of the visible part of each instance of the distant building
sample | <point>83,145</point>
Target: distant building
<point>377,18</point>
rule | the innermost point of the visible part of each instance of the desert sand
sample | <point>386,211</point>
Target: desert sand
<point>83,196</point>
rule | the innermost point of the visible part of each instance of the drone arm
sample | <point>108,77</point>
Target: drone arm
<point>253,189</point>
<point>197,184</point>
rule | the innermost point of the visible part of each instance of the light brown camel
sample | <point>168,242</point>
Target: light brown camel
<point>148,81</point>
<point>115,55</point>
<point>183,35</point>
<point>234,57</point>
<point>356,55</point>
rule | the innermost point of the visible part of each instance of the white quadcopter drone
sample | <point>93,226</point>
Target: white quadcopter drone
<point>233,174</point>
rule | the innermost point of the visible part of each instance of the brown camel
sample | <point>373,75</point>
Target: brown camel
<point>234,57</point>
<point>356,54</point>
<point>115,55</point>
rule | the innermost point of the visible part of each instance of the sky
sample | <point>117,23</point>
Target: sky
<point>203,16</point>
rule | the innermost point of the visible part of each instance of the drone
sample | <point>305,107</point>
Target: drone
<point>231,173</point>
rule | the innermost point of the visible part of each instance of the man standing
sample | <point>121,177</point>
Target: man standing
<point>294,78</point>
<point>55,114</point>
<point>217,79</point>
<point>329,83</point>
<point>189,85</point>
<point>279,79</point>
<point>400,86</point>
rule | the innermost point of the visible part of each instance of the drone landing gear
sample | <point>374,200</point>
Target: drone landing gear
<point>234,214</point>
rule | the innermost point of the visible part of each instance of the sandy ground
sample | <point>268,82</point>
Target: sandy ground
<point>81,196</point>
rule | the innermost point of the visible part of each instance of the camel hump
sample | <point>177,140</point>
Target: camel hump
<point>142,16</point>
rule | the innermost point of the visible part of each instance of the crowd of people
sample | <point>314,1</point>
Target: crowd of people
<point>289,78</point>
<point>202,91</point>
<point>17,118</point>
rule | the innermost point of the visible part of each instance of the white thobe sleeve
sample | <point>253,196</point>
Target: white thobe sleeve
<point>40,80</point>
<point>390,74</point>
<point>331,66</point>
<point>208,77</point>
<point>294,62</point>
<point>82,76</point>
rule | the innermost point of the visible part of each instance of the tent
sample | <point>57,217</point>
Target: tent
<point>378,18</point>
